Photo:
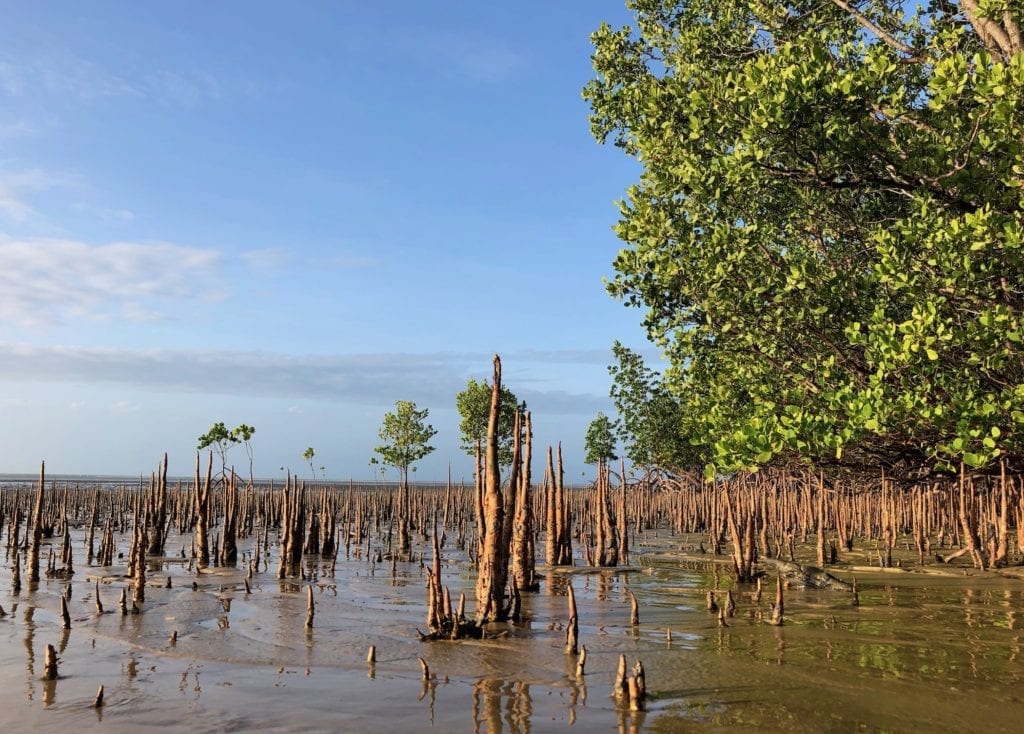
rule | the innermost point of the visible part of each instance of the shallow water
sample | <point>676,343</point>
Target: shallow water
<point>923,652</point>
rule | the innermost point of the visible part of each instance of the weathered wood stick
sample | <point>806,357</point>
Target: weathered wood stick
<point>50,663</point>
<point>621,687</point>
<point>572,630</point>
<point>777,607</point>
<point>636,701</point>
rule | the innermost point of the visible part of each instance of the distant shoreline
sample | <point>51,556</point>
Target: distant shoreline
<point>123,479</point>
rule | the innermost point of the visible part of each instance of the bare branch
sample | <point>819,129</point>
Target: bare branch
<point>889,39</point>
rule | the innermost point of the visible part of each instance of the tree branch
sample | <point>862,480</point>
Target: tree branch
<point>992,34</point>
<point>1012,31</point>
<point>889,39</point>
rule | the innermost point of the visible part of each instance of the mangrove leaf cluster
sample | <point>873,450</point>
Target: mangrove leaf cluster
<point>827,230</point>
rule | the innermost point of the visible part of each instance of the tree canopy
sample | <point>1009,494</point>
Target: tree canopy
<point>651,422</point>
<point>405,433</point>
<point>220,440</point>
<point>474,406</point>
<point>827,230</point>
<point>600,440</point>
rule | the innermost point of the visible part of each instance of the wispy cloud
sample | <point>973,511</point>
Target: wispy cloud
<point>348,262</point>
<point>105,214</point>
<point>70,76</point>
<point>473,56</point>
<point>267,258</point>
<point>61,74</point>
<point>22,192</point>
<point>273,258</point>
<point>18,187</point>
<point>16,129</point>
<point>49,280</point>
<point>369,379</point>
<point>182,88</point>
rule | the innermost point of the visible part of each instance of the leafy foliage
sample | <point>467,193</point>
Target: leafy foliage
<point>244,434</point>
<point>308,456</point>
<point>220,440</point>
<point>405,434</point>
<point>600,440</point>
<point>474,406</point>
<point>651,421</point>
<point>827,234</point>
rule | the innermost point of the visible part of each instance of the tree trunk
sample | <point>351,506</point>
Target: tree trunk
<point>202,509</point>
<point>37,529</point>
<point>492,576</point>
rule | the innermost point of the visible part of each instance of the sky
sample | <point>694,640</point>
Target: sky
<point>292,215</point>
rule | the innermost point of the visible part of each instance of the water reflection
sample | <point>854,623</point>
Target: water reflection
<point>629,722</point>
<point>49,692</point>
<point>557,585</point>
<point>490,717</point>
<point>577,697</point>
<point>30,655</point>
<point>429,688</point>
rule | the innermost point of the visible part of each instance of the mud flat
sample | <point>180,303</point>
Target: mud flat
<point>923,651</point>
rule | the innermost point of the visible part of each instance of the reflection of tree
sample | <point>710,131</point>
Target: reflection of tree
<point>487,706</point>
<point>49,692</point>
<point>30,655</point>
<point>577,697</point>
<point>629,722</point>
<point>429,687</point>
<point>520,708</point>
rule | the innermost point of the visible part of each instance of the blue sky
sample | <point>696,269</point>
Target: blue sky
<point>292,215</point>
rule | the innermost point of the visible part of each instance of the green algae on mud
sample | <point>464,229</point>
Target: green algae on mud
<point>922,652</point>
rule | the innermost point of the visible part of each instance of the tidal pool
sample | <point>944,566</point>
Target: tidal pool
<point>938,650</point>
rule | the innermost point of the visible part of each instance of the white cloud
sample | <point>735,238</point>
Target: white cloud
<point>367,379</point>
<point>45,281</point>
<point>12,403</point>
